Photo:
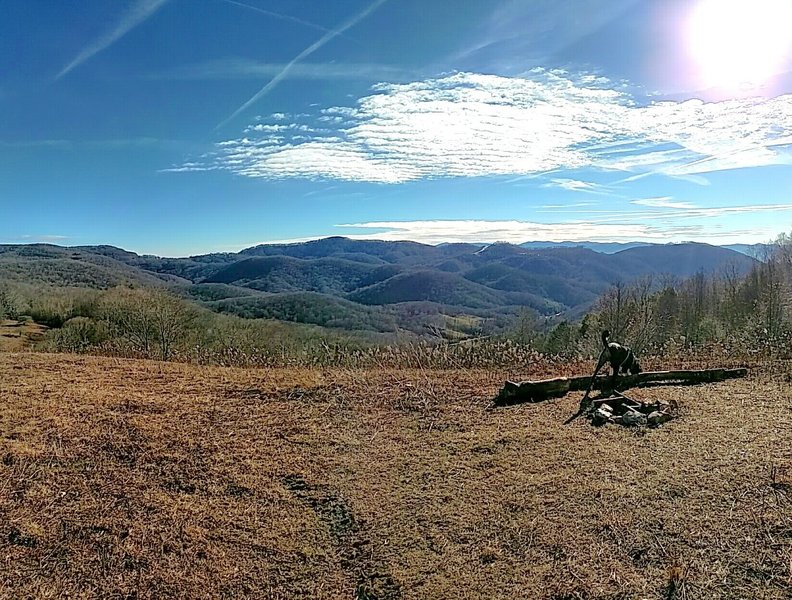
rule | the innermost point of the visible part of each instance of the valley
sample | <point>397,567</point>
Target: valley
<point>378,287</point>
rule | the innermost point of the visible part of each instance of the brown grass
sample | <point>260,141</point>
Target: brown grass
<point>16,336</point>
<point>135,479</point>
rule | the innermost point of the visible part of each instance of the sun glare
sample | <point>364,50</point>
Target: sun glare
<point>735,43</point>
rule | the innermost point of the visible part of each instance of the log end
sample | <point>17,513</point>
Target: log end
<point>532,391</point>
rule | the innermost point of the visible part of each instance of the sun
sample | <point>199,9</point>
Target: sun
<point>736,43</point>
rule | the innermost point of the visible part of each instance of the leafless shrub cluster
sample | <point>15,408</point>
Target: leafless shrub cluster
<point>415,355</point>
<point>723,313</point>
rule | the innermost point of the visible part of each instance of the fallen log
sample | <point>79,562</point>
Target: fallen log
<point>536,391</point>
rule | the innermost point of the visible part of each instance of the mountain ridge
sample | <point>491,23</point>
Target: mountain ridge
<point>374,275</point>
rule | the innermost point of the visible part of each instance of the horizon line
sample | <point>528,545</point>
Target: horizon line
<point>243,247</point>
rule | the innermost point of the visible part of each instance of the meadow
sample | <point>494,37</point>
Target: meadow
<point>124,478</point>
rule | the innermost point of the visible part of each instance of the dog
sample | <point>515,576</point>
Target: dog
<point>621,358</point>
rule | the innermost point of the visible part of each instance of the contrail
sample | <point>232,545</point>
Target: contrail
<point>141,11</point>
<point>308,51</point>
<point>775,144</point>
<point>279,16</point>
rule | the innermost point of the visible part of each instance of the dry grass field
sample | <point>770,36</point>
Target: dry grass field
<point>136,479</point>
<point>16,336</point>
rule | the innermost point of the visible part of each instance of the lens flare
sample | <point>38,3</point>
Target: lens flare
<point>736,43</point>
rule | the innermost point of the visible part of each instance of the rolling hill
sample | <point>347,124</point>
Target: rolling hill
<point>309,307</point>
<point>373,284</point>
<point>79,267</point>
<point>287,274</point>
<point>682,260</point>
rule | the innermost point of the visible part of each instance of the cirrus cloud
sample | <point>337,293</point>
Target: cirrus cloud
<point>664,202</point>
<point>475,125</point>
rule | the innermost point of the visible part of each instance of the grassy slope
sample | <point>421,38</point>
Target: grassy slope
<point>16,335</point>
<point>181,481</point>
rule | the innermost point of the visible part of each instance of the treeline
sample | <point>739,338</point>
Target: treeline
<point>734,314</point>
<point>310,307</point>
<point>727,313</point>
<point>154,323</point>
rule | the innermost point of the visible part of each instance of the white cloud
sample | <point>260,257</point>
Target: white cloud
<point>574,185</point>
<point>664,202</point>
<point>473,125</point>
<point>41,238</point>
<point>326,159</point>
<point>344,111</point>
<point>694,213</point>
<point>566,206</point>
<point>266,128</point>
<point>517,232</point>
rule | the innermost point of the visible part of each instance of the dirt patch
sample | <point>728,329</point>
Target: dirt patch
<point>16,336</point>
<point>349,537</point>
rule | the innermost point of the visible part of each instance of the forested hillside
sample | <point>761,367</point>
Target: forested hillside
<point>449,291</point>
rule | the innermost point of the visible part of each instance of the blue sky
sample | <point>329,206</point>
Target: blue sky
<point>178,127</point>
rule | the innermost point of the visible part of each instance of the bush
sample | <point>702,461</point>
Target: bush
<point>54,306</point>
<point>151,322</point>
<point>10,304</point>
<point>80,334</point>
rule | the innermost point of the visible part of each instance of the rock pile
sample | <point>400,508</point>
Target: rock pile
<point>621,410</point>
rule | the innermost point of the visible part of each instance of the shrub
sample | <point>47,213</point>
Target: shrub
<point>10,304</point>
<point>80,334</point>
<point>151,322</point>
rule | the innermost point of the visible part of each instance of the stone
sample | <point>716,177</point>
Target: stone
<point>658,417</point>
<point>601,416</point>
<point>633,417</point>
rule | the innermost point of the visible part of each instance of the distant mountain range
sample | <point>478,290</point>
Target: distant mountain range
<point>752,250</point>
<point>378,285</point>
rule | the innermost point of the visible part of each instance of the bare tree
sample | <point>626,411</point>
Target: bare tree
<point>9,303</point>
<point>128,312</point>
<point>643,321</point>
<point>171,318</point>
<point>152,322</point>
<point>613,310</point>
<point>526,329</point>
